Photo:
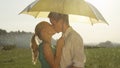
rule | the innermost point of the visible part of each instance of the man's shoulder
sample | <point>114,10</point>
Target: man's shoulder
<point>74,35</point>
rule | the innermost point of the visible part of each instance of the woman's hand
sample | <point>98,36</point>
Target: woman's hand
<point>60,42</point>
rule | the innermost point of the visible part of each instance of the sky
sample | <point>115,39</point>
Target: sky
<point>10,20</point>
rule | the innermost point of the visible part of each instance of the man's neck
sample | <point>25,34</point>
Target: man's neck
<point>65,27</point>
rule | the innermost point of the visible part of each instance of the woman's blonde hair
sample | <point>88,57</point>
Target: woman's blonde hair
<point>34,46</point>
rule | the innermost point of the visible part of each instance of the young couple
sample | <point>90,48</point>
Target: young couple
<point>69,51</point>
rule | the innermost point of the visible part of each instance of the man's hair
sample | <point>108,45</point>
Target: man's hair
<point>58,16</point>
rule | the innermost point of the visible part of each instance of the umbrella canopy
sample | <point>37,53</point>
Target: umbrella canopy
<point>41,8</point>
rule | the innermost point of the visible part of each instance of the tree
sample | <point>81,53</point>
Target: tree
<point>3,31</point>
<point>105,44</point>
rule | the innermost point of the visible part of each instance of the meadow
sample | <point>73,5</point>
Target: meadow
<point>96,58</point>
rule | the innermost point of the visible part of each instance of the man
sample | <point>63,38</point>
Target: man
<point>73,50</point>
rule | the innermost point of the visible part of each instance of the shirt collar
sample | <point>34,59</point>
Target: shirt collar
<point>69,29</point>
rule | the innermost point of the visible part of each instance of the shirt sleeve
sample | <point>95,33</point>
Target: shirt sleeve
<point>78,52</point>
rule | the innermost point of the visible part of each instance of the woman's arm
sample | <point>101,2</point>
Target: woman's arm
<point>48,54</point>
<point>60,44</point>
<point>54,61</point>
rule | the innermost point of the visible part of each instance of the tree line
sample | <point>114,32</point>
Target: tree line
<point>2,32</point>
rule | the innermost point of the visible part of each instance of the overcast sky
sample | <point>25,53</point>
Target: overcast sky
<point>110,9</point>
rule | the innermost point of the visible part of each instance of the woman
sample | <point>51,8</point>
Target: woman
<point>47,57</point>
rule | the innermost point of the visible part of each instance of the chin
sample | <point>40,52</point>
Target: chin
<point>58,31</point>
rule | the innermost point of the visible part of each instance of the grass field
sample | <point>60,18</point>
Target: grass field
<point>103,58</point>
<point>96,58</point>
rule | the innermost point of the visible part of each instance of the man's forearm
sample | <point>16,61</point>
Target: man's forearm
<point>76,67</point>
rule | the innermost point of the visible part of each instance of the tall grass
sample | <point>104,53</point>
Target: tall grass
<point>17,58</point>
<point>103,58</point>
<point>96,58</point>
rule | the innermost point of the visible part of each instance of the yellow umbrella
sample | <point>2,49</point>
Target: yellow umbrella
<point>41,8</point>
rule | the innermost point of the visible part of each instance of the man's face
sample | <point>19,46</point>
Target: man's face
<point>57,25</point>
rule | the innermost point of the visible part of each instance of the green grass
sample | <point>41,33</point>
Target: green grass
<point>96,58</point>
<point>103,58</point>
<point>17,58</point>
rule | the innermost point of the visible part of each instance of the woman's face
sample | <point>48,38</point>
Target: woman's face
<point>47,32</point>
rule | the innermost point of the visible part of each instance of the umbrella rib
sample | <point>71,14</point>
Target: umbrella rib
<point>91,9</point>
<point>91,21</point>
<point>37,14</point>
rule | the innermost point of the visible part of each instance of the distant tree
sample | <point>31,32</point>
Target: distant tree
<point>18,32</point>
<point>108,43</point>
<point>23,32</point>
<point>8,47</point>
<point>105,44</point>
<point>3,31</point>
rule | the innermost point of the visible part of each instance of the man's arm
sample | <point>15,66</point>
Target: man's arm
<point>77,67</point>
